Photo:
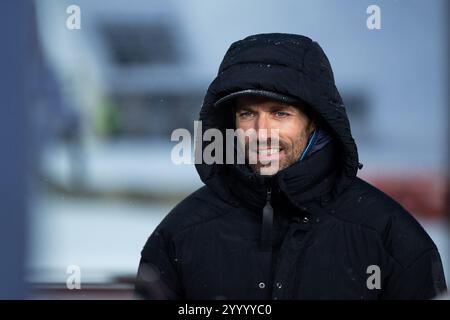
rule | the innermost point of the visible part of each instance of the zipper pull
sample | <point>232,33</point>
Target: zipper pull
<point>268,194</point>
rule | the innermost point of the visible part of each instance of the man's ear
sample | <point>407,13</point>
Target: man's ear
<point>312,126</point>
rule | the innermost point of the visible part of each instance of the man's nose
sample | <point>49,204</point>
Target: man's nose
<point>263,125</point>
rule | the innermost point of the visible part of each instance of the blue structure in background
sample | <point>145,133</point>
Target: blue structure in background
<point>14,30</point>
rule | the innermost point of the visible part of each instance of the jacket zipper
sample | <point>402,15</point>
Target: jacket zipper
<point>267,220</point>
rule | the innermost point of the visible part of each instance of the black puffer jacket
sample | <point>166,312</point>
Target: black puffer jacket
<point>330,229</point>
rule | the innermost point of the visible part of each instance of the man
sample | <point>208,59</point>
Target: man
<point>305,229</point>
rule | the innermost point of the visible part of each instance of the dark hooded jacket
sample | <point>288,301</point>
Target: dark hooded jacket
<point>333,235</point>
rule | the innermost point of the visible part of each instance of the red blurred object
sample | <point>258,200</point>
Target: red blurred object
<point>424,196</point>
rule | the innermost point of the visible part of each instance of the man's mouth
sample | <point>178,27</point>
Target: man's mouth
<point>268,154</point>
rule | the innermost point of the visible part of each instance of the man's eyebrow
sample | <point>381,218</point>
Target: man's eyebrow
<point>243,107</point>
<point>282,106</point>
<point>275,107</point>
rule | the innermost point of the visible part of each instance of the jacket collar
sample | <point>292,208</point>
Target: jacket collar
<point>302,182</point>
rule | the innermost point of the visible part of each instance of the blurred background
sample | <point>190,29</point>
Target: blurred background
<point>87,117</point>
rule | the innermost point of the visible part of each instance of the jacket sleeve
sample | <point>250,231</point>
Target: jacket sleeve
<point>157,276</point>
<point>422,279</point>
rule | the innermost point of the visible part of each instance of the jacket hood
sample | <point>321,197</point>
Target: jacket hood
<point>288,64</point>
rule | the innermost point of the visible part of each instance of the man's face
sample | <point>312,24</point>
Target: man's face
<point>267,117</point>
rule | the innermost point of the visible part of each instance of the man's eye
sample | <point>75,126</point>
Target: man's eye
<point>245,114</point>
<point>281,114</point>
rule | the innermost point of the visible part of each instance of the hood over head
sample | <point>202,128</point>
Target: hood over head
<point>291,68</point>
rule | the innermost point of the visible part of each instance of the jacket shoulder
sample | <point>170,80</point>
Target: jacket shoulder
<point>401,234</point>
<point>199,207</point>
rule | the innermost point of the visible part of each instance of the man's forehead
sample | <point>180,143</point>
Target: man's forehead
<point>252,101</point>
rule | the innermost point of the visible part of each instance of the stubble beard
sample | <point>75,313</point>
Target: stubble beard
<point>292,155</point>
